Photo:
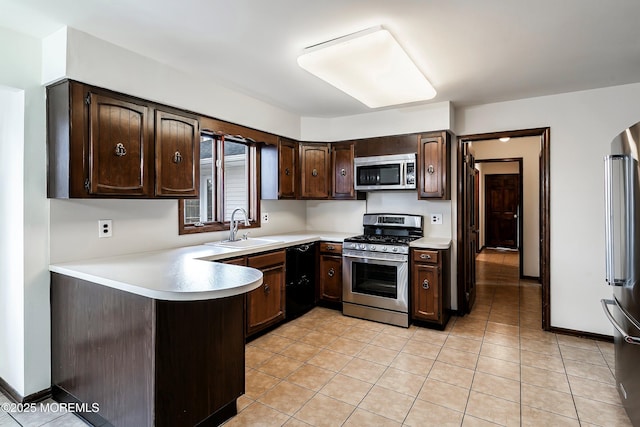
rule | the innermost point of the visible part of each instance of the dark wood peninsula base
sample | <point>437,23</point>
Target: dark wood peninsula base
<point>145,362</point>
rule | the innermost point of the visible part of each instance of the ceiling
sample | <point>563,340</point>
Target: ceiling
<point>474,52</point>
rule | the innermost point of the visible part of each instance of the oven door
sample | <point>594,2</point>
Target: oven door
<point>376,280</point>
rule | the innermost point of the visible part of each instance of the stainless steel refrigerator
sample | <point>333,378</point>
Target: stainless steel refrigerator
<point>622,235</point>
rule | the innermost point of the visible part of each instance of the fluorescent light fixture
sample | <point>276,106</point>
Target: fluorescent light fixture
<point>370,66</point>
<point>505,139</point>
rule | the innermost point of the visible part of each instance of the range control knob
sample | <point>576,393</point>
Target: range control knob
<point>395,249</point>
<point>384,249</point>
<point>372,247</point>
<point>362,246</point>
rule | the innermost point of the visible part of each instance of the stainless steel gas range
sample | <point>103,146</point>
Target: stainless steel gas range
<point>375,268</point>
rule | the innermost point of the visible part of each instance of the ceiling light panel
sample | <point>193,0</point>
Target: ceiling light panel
<point>370,66</point>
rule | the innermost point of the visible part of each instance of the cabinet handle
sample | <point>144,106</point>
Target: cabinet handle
<point>286,171</point>
<point>425,256</point>
<point>331,248</point>
<point>343,172</point>
<point>177,157</point>
<point>120,150</point>
<point>267,288</point>
<point>314,172</point>
<point>431,170</point>
<point>425,284</point>
<point>331,272</point>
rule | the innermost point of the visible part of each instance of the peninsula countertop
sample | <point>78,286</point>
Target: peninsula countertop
<point>184,274</point>
<point>188,273</point>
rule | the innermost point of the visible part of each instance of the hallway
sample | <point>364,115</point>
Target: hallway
<point>501,294</point>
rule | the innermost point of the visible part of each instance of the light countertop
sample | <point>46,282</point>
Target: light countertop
<point>187,274</point>
<point>431,243</point>
<point>184,274</point>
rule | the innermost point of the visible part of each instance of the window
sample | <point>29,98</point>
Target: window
<point>228,180</point>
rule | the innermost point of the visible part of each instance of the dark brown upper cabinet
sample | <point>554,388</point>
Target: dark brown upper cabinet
<point>315,171</point>
<point>119,139</point>
<point>308,170</point>
<point>280,175</point>
<point>434,165</point>
<point>288,169</point>
<point>177,147</point>
<point>102,143</point>
<point>342,167</point>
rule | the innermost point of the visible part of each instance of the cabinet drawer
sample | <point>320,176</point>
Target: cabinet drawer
<point>422,256</point>
<point>330,247</point>
<point>266,260</point>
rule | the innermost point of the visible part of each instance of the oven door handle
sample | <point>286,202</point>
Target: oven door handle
<point>395,261</point>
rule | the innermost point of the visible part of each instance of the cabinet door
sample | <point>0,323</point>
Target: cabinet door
<point>331,278</point>
<point>342,167</point>
<point>426,292</point>
<point>287,164</point>
<point>315,176</point>
<point>177,155</point>
<point>431,158</point>
<point>265,305</point>
<point>119,147</point>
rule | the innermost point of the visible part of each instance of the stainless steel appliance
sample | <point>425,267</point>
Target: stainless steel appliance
<point>392,172</point>
<point>622,235</point>
<point>375,268</point>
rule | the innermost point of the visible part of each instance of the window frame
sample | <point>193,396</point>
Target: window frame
<point>253,190</point>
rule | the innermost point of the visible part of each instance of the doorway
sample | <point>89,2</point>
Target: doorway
<point>469,228</point>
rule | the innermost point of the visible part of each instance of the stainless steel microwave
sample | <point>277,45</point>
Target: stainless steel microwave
<point>392,172</point>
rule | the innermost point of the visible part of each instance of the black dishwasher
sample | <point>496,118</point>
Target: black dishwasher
<point>300,280</point>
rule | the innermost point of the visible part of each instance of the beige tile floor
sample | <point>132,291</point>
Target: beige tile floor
<point>493,367</point>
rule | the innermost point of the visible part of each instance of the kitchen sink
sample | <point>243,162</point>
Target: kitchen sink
<point>244,243</point>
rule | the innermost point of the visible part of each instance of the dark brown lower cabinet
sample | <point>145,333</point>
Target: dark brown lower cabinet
<point>430,287</point>
<point>265,305</point>
<point>145,362</point>
<point>330,274</point>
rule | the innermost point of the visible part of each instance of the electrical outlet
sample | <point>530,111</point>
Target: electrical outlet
<point>105,228</point>
<point>436,218</point>
<point>265,217</point>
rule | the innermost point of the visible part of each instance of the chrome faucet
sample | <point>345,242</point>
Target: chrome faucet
<point>233,224</point>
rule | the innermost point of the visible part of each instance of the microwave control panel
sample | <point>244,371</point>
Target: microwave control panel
<point>411,173</point>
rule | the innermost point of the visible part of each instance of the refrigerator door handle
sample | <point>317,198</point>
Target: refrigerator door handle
<point>627,338</point>
<point>612,263</point>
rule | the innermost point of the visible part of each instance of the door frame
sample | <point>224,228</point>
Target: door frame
<point>518,160</point>
<point>545,218</point>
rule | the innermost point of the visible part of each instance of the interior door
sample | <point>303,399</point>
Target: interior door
<point>470,228</point>
<point>502,197</point>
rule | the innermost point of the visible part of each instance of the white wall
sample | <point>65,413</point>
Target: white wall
<point>527,148</point>
<point>12,242</point>
<point>95,61</point>
<point>395,121</point>
<point>582,127</point>
<point>25,352</point>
